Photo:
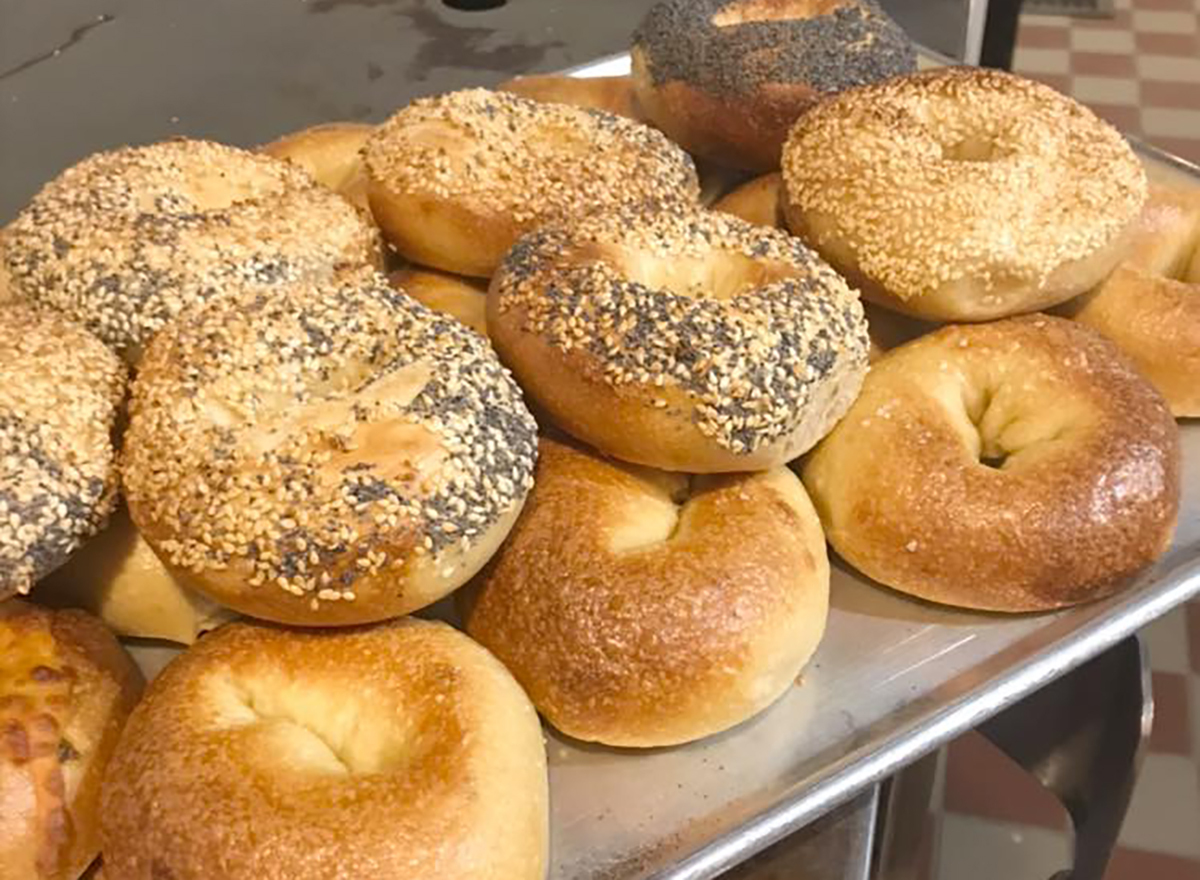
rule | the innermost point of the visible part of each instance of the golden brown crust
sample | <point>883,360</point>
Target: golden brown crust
<point>685,340</point>
<point>66,688</point>
<point>665,608</point>
<point>613,94</point>
<point>402,750</point>
<point>1015,197</point>
<point>455,295</point>
<point>756,201</point>
<point>331,154</point>
<point>454,180</point>
<point>1150,306</point>
<point>362,465</point>
<point>1015,466</point>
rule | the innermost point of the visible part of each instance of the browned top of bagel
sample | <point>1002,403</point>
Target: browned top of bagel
<point>1018,465</point>
<point>613,94</point>
<point>989,174</point>
<point>125,239</point>
<point>60,390</point>
<point>263,753</point>
<point>526,159</point>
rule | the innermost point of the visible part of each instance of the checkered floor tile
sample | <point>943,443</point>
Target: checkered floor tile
<point>1139,68</point>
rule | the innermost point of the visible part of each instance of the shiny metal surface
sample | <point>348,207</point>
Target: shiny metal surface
<point>1083,737</point>
<point>837,846</point>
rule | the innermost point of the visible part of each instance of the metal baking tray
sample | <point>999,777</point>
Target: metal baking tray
<point>893,679</point>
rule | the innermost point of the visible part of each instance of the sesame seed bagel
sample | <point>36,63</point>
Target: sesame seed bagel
<point>1021,465</point>
<point>667,608</point>
<point>401,750</point>
<point>331,154</point>
<point>66,688</point>
<point>727,78</point>
<point>688,340</point>
<point>462,298</point>
<point>339,455</point>
<point>1150,305</point>
<point>60,392</point>
<point>454,180</point>
<point>613,94</point>
<point>126,239</point>
<point>962,194</point>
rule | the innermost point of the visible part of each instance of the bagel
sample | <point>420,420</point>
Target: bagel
<point>612,94</point>
<point>666,608</point>
<point>126,239</point>
<point>1021,465</point>
<point>330,153</point>
<point>962,194</point>
<point>1150,305</point>
<point>454,180</point>
<point>403,750</point>
<point>60,393</point>
<point>454,295</point>
<point>6,294</point>
<point>66,688</point>
<point>117,577</point>
<point>727,78</point>
<point>339,455</point>
<point>756,201</point>
<point>685,340</point>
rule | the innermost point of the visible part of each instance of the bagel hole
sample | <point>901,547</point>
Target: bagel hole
<point>312,729</point>
<point>995,461</point>
<point>748,11</point>
<point>722,276</point>
<point>655,512</point>
<point>970,149</point>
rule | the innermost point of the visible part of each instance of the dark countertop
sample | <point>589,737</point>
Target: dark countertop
<point>82,75</point>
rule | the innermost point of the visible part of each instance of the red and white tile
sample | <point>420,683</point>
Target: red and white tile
<point>1140,68</point>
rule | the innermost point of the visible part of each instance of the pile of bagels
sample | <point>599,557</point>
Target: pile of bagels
<point>606,362</point>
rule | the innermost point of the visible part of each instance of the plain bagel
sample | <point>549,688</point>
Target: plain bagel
<point>402,750</point>
<point>613,94</point>
<point>665,608</point>
<point>1019,465</point>
<point>1150,305</point>
<point>684,340</point>
<point>339,455</point>
<point>331,153</point>
<point>962,194</point>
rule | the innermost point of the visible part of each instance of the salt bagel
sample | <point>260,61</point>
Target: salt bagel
<point>60,394</point>
<point>1150,305</point>
<point>683,340</point>
<point>338,455</point>
<point>124,240</point>
<point>330,153</point>
<point>1020,465</point>
<point>454,180</point>
<point>403,750</point>
<point>66,688</point>
<point>612,94</point>
<point>727,78</point>
<point>460,297</point>
<point>962,194</point>
<point>666,608</point>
